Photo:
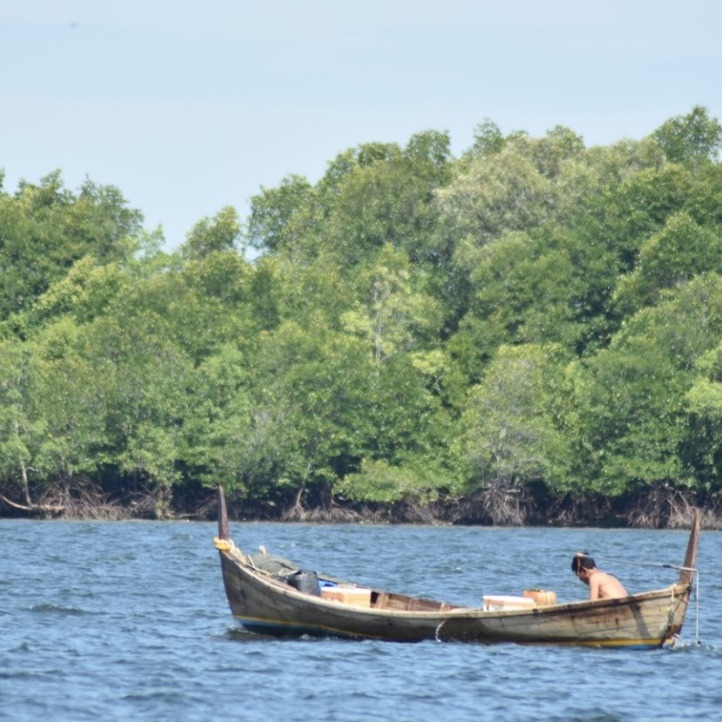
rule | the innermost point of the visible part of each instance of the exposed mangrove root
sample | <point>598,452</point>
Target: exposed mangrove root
<point>572,509</point>
<point>662,507</point>
<point>152,503</point>
<point>33,509</point>
<point>496,505</point>
<point>332,514</point>
<point>83,500</point>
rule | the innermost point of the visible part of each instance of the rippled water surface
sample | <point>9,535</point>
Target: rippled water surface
<point>128,621</point>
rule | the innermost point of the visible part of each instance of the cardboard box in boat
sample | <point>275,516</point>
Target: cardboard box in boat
<point>503,603</point>
<point>542,597</point>
<point>357,596</point>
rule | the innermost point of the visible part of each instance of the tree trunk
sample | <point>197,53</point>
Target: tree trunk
<point>23,471</point>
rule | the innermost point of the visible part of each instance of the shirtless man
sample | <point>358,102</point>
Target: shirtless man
<point>601,584</point>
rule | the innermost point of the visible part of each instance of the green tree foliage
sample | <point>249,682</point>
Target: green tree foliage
<point>703,452</point>
<point>142,377</point>
<point>632,401</point>
<point>220,233</point>
<point>83,294</point>
<point>370,196</point>
<point>511,428</point>
<point>680,251</point>
<point>224,437</point>
<point>690,139</point>
<point>390,315</point>
<point>632,211</point>
<point>630,427</point>
<point>71,408</point>
<point>45,228</point>
<point>517,187</point>
<point>311,386</point>
<point>279,216</point>
<point>22,430</point>
<point>531,318</point>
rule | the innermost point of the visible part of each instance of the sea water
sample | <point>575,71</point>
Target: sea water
<point>128,621</point>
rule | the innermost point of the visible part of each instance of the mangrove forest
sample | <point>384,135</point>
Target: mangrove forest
<point>526,332</point>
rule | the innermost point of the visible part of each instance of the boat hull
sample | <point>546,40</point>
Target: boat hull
<point>264,601</point>
<point>262,604</point>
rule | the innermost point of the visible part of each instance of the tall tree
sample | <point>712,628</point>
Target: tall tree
<point>634,428</point>
<point>390,314</point>
<point>280,218</point>
<point>21,431</point>
<point>211,235</point>
<point>45,228</point>
<point>511,436</point>
<point>674,255</point>
<point>690,139</point>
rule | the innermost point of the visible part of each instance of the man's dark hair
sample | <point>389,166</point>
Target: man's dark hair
<point>582,561</point>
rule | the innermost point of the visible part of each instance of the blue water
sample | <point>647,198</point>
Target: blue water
<point>128,621</point>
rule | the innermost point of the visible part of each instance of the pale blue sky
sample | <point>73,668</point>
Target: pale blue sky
<point>188,107</point>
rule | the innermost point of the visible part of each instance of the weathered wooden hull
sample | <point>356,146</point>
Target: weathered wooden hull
<point>265,604</point>
<point>268,606</point>
<point>646,620</point>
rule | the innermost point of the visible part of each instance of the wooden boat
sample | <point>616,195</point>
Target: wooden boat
<point>263,600</point>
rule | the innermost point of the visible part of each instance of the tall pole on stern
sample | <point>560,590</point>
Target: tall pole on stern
<point>690,558</point>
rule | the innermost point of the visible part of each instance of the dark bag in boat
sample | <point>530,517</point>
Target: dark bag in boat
<point>305,581</point>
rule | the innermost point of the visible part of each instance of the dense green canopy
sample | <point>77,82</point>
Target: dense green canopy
<point>531,329</point>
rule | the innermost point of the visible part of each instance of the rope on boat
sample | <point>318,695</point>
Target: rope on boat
<point>223,545</point>
<point>695,591</point>
<point>227,545</point>
<point>438,629</point>
<point>618,560</point>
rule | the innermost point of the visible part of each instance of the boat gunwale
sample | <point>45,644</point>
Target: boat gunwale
<point>672,591</point>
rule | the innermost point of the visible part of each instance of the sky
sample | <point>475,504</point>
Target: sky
<point>190,106</point>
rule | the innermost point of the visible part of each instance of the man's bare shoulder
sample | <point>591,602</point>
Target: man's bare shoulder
<point>610,587</point>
